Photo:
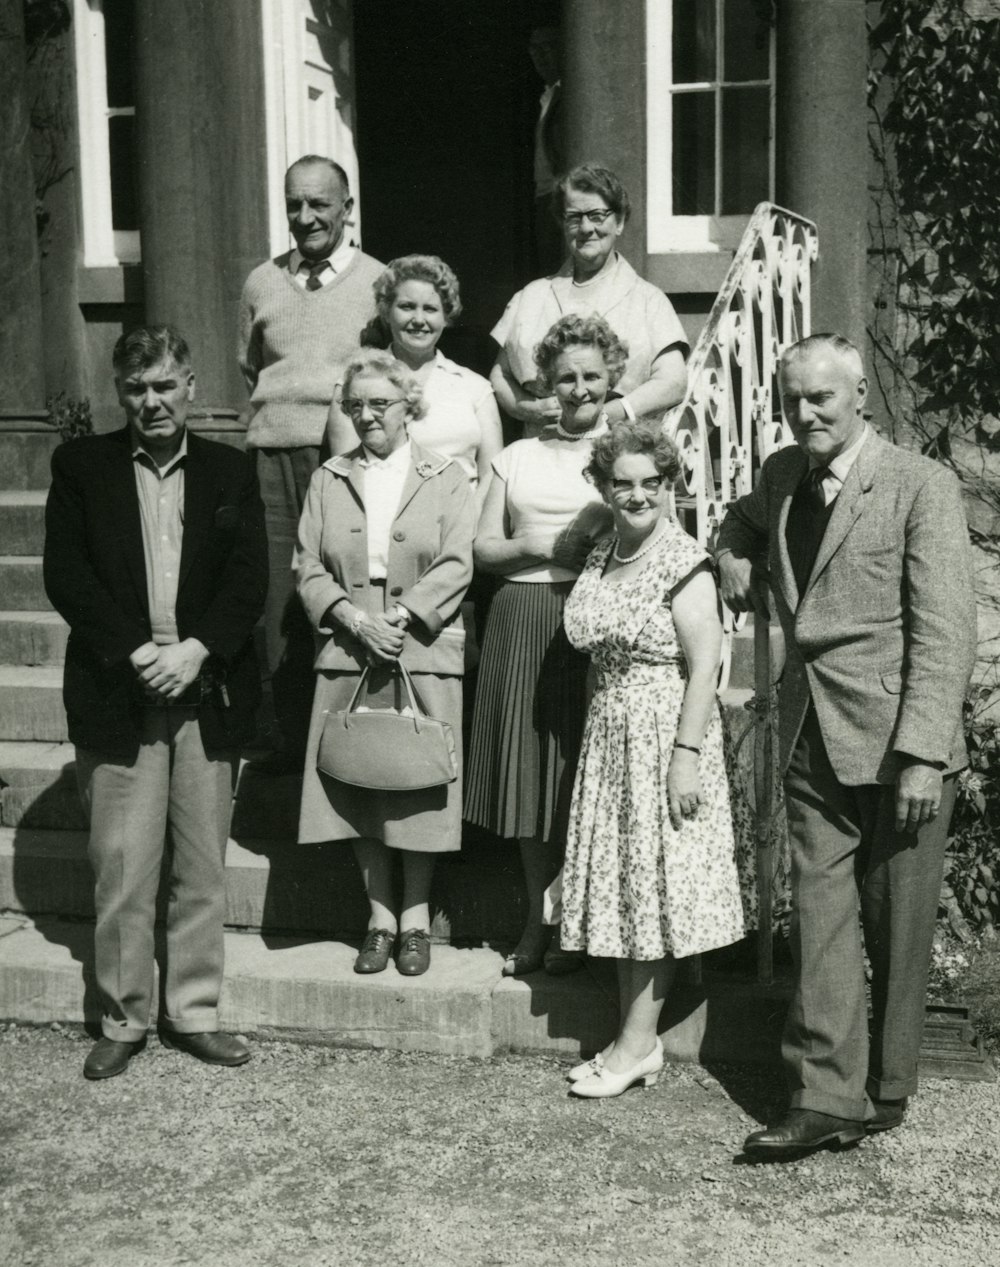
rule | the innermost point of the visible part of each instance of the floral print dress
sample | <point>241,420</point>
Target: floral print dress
<point>633,887</point>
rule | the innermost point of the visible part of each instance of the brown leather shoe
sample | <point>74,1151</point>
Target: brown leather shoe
<point>888,1114</point>
<point>414,955</point>
<point>213,1047</point>
<point>801,1130</point>
<point>375,951</point>
<point>108,1057</point>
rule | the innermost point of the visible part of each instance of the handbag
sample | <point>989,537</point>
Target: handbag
<point>385,748</point>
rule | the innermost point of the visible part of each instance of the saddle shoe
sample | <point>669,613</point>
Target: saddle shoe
<point>802,1130</point>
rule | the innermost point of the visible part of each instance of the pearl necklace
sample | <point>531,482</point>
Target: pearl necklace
<point>657,538</point>
<point>598,429</point>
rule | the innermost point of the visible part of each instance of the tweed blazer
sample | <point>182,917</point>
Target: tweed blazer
<point>95,577</point>
<point>429,565</point>
<point>883,638</point>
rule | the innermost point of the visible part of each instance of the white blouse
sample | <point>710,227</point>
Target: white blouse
<point>383,490</point>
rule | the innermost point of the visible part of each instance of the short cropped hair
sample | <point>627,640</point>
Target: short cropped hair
<point>622,437</point>
<point>843,348</point>
<point>591,179</point>
<point>577,331</point>
<point>409,268</point>
<point>146,346</point>
<point>372,361</point>
<point>319,160</point>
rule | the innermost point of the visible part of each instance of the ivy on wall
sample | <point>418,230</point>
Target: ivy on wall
<point>935,93</point>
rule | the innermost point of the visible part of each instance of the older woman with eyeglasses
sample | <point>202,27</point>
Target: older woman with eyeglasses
<point>383,561</point>
<point>650,874</point>
<point>592,206</point>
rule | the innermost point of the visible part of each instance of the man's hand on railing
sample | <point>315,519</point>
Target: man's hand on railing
<point>742,584</point>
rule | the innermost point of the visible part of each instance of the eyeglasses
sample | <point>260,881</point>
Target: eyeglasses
<point>621,490</point>
<point>596,217</point>
<point>355,408</point>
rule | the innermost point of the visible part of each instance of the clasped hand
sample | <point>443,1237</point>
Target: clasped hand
<point>169,670</point>
<point>382,636</point>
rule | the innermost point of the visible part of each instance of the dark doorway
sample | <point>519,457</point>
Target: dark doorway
<point>446,106</point>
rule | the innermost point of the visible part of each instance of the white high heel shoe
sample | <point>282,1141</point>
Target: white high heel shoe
<point>604,1083</point>
<point>587,1068</point>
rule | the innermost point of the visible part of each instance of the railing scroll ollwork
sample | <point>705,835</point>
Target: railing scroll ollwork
<point>728,423</point>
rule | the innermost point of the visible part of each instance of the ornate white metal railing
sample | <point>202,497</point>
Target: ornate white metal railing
<point>730,418</point>
<point>728,423</point>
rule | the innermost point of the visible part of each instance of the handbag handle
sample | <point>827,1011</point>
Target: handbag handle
<point>361,694</point>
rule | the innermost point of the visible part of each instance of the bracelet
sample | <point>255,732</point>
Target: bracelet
<point>626,404</point>
<point>357,621</point>
<point>687,747</point>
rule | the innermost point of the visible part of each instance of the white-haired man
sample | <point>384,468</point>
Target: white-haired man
<point>867,552</point>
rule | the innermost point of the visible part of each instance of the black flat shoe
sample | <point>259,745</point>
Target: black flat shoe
<point>801,1130</point>
<point>375,951</point>
<point>888,1114</point>
<point>414,956</point>
<point>213,1047</point>
<point>108,1057</point>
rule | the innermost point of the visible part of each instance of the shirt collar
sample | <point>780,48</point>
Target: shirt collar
<point>338,259</point>
<point>400,457</point>
<point>840,466</point>
<point>139,454</point>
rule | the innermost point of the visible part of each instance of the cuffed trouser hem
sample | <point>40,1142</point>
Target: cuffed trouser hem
<point>833,1105</point>
<point>880,1090</point>
<point>203,1026</point>
<point>110,1028</point>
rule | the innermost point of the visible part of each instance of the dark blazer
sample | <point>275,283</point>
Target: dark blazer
<point>95,577</point>
<point>883,637</point>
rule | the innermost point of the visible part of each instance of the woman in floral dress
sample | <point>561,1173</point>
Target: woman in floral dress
<point>650,874</point>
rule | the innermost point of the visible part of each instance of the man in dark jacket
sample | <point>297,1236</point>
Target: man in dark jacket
<point>156,557</point>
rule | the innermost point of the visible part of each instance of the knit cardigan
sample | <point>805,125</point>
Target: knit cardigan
<point>294,344</point>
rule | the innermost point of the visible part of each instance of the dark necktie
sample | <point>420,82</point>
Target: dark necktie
<point>815,491</point>
<point>315,270</point>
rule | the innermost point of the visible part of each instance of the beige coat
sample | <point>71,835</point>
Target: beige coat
<point>883,640</point>
<point>429,565</point>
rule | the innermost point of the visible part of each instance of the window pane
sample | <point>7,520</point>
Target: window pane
<point>745,127</point>
<point>694,41</point>
<point>747,40</point>
<point>694,153</point>
<point>119,46</point>
<point>124,195</point>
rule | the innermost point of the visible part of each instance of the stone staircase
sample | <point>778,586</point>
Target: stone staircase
<point>290,909</point>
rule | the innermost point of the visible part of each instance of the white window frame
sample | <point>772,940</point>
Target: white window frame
<point>666,232</point>
<point>103,245</point>
<point>291,52</point>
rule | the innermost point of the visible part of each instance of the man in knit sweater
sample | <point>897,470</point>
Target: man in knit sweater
<point>301,317</point>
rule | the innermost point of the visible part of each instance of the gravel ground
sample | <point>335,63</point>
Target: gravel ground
<point>317,1155</point>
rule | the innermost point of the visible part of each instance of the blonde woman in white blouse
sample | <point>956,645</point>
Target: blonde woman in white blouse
<point>417,298</point>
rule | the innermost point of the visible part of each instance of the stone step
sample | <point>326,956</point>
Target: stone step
<point>38,787</point>
<point>22,521</point>
<point>32,638</point>
<point>26,454</point>
<point>21,583</point>
<point>306,988</point>
<point>31,706</point>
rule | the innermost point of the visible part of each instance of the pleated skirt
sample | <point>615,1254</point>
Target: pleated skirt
<point>529,714</point>
<point>428,820</point>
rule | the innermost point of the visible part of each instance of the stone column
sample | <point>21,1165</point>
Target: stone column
<point>604,86</point>
<point>822,149</point>
<point>22,376</point>
<point>203,197</point>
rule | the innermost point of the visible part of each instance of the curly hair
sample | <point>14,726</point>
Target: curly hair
<point>147,346</point>
<point>576,331</point>
<point>643,437</point>
<point>374,361</point>
<point>411,268</point>
<point>590,178</point>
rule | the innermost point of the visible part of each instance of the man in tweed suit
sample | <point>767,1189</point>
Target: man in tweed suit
<point>866,549</point>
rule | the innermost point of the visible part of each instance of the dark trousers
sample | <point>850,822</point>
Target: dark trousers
<point>284,476</point>
<point>845,848</point>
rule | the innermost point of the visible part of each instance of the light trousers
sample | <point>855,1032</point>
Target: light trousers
<point>172,781</point>
<point>845,852</point>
